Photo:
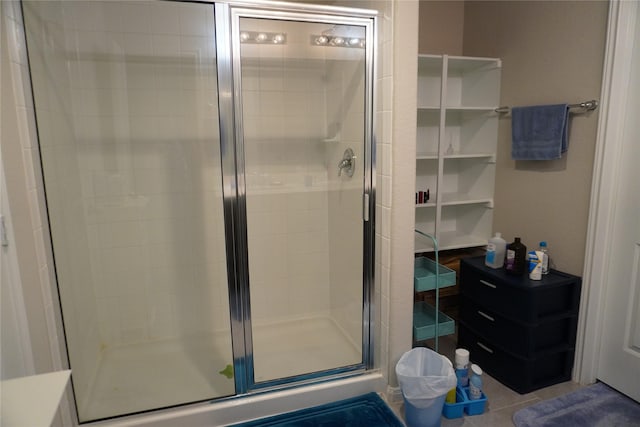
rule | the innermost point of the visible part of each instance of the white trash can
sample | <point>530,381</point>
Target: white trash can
<point>425,377</point>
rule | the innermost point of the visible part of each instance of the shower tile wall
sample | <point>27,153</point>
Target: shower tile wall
<point>303,105</point>
<point>383,301</point>
<point>129,140</point>
<point>346,82</point>
<point>285,125</point>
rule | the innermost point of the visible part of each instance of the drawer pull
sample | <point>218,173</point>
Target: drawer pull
<point>484,347</point>
<point>491,285</point>
<point>486,316</point>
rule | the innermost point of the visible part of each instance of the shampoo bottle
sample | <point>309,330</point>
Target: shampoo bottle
<point>496,250</point>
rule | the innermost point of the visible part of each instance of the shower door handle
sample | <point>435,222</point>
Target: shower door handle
<point>365,207</point>
<point>348,163</point>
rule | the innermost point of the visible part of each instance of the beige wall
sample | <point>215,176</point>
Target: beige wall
<point>441,27</point>
<point>552,52</point>
<point>547,58</point>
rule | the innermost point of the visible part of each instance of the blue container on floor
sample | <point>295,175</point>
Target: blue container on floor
<point>475,407</point>
<point>455,410</point>
<point>431,416</point>
<point>464,404</point>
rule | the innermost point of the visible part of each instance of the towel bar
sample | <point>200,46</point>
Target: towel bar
<point>586,106</point>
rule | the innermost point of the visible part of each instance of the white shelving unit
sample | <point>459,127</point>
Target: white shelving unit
<point>456,149</point>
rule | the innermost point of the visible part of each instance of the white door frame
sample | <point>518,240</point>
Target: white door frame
<point>615,80</point>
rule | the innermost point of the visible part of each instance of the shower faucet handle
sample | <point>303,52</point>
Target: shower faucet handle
<point>348,163</point>
<point>344,164</point>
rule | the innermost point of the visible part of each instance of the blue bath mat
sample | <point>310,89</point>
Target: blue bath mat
<point>595,406</point>
<point>368,410</point>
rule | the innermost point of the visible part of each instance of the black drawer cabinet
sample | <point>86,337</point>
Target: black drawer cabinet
<point>520,338</point>
<point>520,331</point>
<point>519,373</point>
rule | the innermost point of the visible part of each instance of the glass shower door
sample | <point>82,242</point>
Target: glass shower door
<point>303,91</point>
<point>127,107</point>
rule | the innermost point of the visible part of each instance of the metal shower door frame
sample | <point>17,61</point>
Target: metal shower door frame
<point>228,15</point>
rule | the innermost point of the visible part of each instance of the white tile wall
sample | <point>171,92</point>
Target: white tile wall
<point>292,97</point>
<point>345,112</point>
<point>399,90</point>
<point>384,172</point>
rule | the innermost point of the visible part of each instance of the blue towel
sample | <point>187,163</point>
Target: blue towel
<point>539,132</point>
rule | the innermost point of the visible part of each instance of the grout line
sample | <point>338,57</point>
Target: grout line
<point>518,403</point>
<point>470,421</point>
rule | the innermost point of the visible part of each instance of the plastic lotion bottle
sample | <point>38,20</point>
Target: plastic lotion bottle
<point>462,366</point>
<point>495,251</point>
<point>545,257</point>
<point>475,383</point>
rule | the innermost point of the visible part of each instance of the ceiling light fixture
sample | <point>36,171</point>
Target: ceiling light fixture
<point>337,41</point>
<point>262,37</point>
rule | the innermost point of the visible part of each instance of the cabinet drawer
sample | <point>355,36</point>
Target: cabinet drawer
<point>523,339</point>
<point>521,374</point>
<point>517,297</point>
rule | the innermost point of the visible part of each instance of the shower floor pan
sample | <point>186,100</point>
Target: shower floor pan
<point>145,376</point>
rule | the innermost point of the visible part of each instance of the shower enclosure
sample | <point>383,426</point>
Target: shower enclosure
<point>209,183</point>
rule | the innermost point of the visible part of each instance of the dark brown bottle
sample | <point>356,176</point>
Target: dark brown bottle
<point>515,261</point>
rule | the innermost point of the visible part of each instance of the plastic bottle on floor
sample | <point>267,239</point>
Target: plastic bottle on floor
<point>462,366</point>
<point>475,383</point>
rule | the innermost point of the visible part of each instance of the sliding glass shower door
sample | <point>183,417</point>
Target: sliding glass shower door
<point>303,92</point>
<point>127,107</point>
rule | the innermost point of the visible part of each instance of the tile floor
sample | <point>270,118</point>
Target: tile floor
<point>502,402</point>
